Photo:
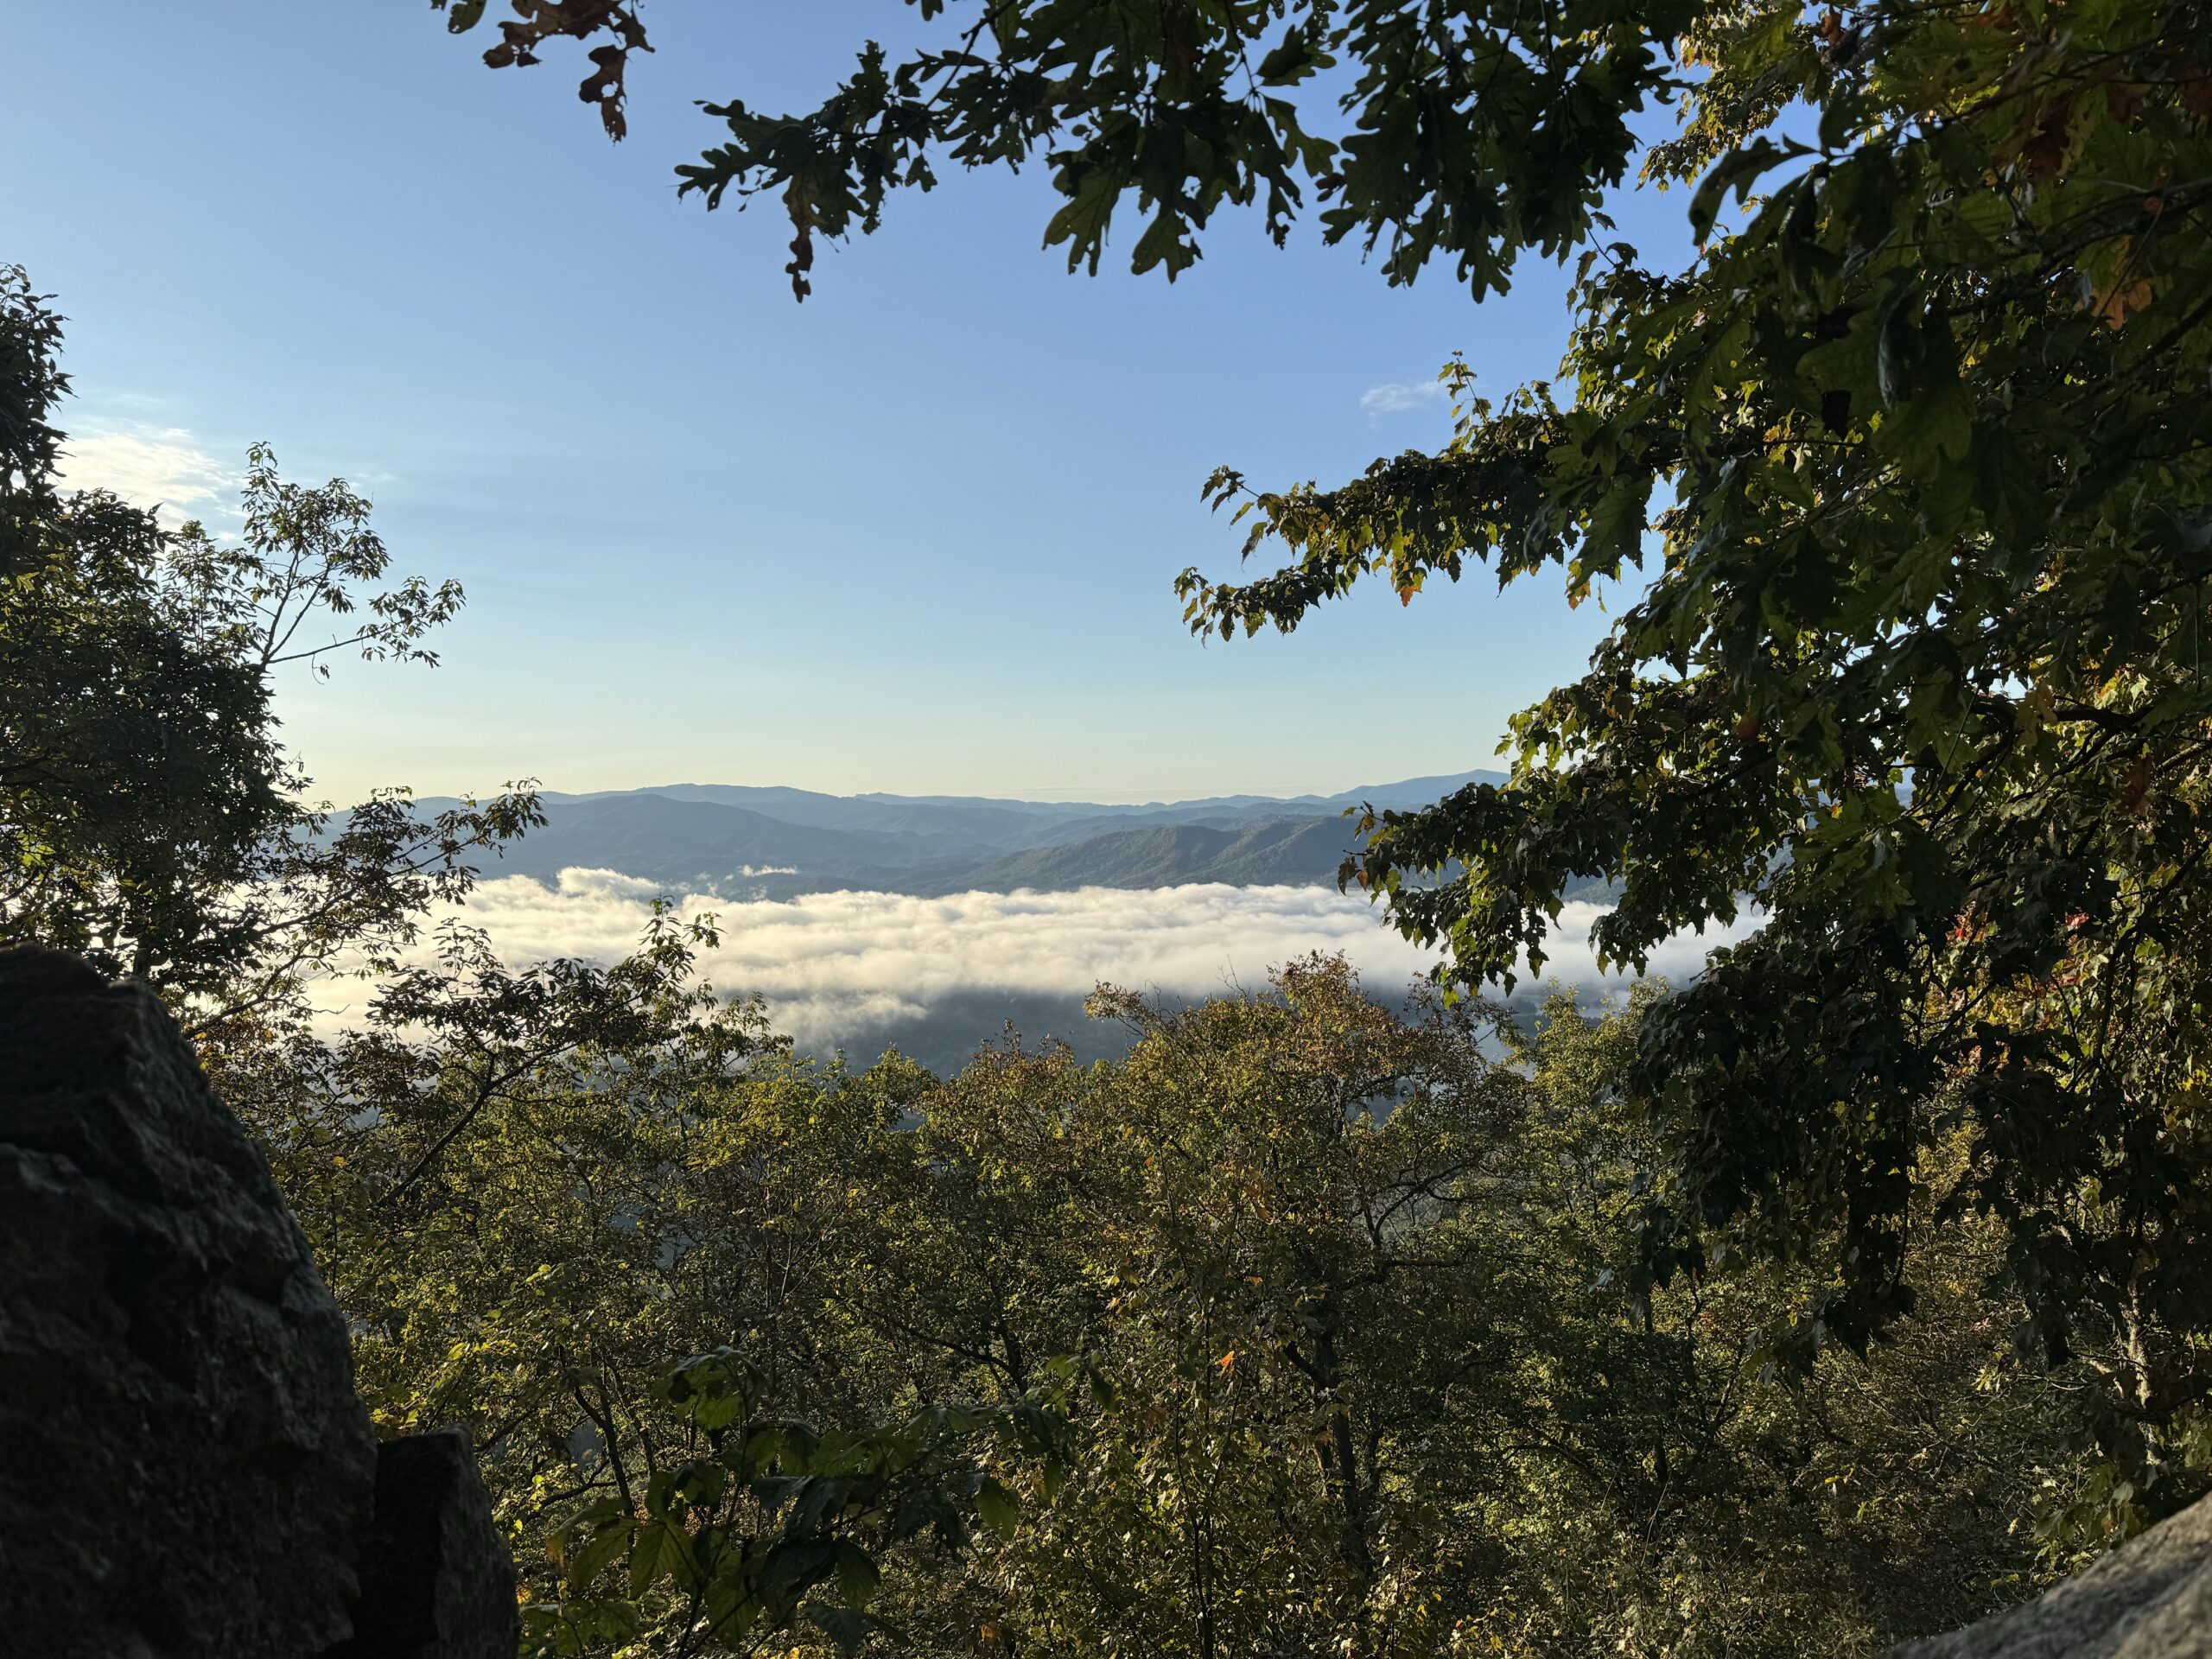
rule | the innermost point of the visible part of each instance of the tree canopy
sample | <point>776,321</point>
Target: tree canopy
<point>1471,133</point>
<point>1302,1330</point>
<point>1903,482</point>
<point>150,816</point>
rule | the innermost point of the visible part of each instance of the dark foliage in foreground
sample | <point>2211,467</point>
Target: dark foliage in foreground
<point>1912,458</point>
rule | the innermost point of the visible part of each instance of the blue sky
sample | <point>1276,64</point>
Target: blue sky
<point>918,535</point>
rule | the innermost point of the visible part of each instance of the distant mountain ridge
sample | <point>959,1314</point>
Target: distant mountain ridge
<point>770,842</point>
<point>1294,852</point>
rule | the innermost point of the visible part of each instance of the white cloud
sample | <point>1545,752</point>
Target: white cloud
<point>148,465</point>
<point>1397,397</point>
<point>829,963</point>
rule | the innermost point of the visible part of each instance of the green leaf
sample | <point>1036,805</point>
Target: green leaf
<point>845,1626</point>
<point>1102,1392</point>
<point>858,1576</point>
<point>1739,170</point>
<point>605,1547</point>
<point>997,1507</point>
<point>1291,61</point>
<point>1933,426</point>
<point>647,1557</point>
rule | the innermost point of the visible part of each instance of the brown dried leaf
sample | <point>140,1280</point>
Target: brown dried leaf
<point>2136,297</point>
<point>2116,304</point>
<point>2041,147</point>
<point>604,87</point>
<point>2135,787</point>
<point>802,260</point>
<point>537,21</point>
<point>2196,93</point>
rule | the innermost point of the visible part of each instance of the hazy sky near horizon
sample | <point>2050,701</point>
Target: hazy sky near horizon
<point>918,535</point>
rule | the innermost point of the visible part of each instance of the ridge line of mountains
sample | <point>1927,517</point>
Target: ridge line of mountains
<point>765,841</point>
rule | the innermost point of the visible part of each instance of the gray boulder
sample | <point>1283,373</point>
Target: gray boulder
<point>2150,1598</point>
<point>185,1468</point>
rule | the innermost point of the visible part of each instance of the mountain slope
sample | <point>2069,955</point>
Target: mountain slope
<point>966,825</point>
<point>657,839</point>
<point>772,842</point>
<point>1296,852</point>
<point>1406,792</point>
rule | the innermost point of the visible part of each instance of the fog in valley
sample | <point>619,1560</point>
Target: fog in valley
<point>937,977</point>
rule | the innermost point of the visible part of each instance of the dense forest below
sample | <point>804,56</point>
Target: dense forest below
<point>1840,1291</point>
<point>1299,1327</point>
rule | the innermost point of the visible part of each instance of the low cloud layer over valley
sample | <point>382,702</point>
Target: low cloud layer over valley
<point>870,921</point>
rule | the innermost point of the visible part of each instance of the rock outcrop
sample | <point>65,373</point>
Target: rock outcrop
<point>439,1582</point>
<point>185,1468</point>
<point>2150,1598</point>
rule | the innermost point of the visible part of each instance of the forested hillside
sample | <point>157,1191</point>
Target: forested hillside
<point>779,843</point>
<point>1298,851</point>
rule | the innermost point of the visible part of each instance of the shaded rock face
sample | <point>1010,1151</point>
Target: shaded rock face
<point>185,1468</point>
<point>2150,1598</point>
<point>439,1582</point>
